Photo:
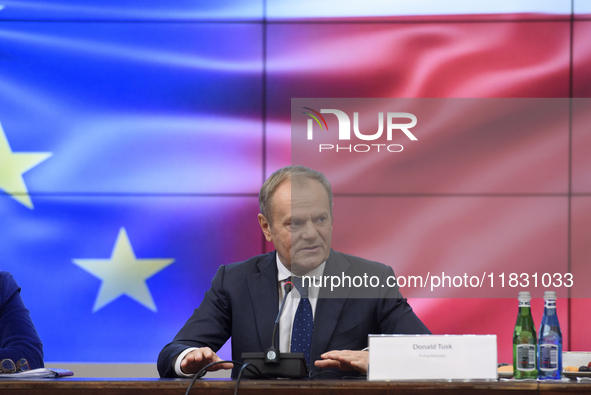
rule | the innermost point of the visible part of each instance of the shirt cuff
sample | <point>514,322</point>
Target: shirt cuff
<point>179,359</point>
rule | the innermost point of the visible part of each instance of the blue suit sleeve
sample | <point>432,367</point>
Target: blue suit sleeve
<point>18,336</point>
<point>396,316</point>
<point>209,326</point>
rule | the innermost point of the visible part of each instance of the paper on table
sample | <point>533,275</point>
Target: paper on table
<point>42,373</point>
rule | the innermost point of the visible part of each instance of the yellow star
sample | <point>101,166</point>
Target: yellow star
<point>12,167</point>
<point>123,274</point>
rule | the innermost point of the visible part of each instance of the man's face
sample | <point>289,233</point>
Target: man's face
<point>302,225</point>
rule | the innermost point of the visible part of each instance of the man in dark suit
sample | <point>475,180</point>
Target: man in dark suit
<point>243,301</point>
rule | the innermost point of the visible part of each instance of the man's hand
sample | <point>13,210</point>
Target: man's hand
<point>195,360</point>
<point>345,360</point>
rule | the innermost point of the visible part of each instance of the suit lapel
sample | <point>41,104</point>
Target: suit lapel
<point>329,308</point>
<point>265,298</point>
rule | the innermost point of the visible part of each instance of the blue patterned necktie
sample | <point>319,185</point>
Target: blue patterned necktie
<point>303,323</point>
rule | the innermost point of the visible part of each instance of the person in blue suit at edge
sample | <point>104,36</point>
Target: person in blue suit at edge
<point>243,301</point>
<point>18,337</point>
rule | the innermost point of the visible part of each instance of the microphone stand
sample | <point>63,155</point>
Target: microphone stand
<point>273,355</point>
<point>274,363</point>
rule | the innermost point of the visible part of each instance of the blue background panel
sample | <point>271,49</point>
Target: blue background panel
<point>130,10</point>
<point>141,108</point>
<point>199,233</point>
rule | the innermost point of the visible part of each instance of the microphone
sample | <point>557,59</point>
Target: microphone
<point>272,354</point>
<point>272,362</point>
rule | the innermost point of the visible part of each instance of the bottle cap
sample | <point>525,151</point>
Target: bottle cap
<point>524,295</point>
<point>550,295</point>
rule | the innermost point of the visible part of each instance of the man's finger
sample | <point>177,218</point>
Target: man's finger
<point>220,366</point>
<point>197,359</point>
<point>357,364</point>
<point>333,363</point>
<point>344,360</point>
<point>198,356</point>
<point>208,354</point>
<point>194,360</point>
<point>336,354</point>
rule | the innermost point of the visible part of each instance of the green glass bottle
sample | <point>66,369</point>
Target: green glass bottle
<point>524,341</point>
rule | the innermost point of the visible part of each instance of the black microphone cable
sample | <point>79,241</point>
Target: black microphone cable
<point>243,366</point>
<point>272,354</point>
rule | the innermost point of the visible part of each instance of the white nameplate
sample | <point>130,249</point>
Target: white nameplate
<point>419,357</point>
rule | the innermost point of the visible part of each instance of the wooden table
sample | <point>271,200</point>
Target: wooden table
<point>81,386</point>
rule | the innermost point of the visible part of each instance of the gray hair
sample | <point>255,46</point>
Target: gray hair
<point>286,173</point>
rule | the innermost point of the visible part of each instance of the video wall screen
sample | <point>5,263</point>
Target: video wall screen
<point>135,137</point>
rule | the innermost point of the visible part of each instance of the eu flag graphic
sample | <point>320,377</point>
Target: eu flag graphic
<point>117,198</point>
